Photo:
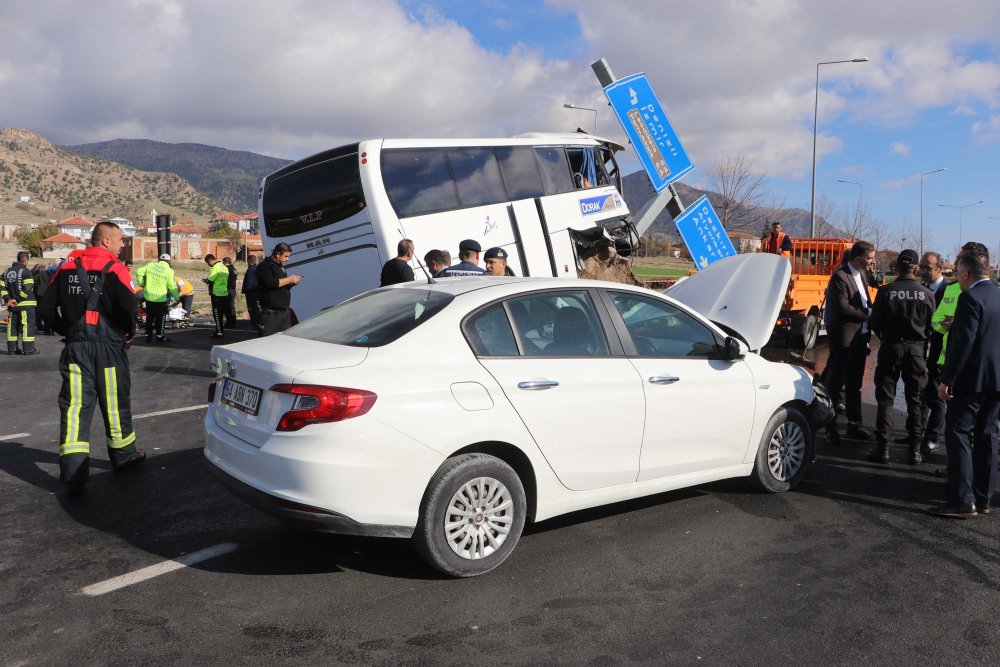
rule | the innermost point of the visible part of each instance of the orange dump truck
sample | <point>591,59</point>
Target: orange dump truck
<point>813,262</point>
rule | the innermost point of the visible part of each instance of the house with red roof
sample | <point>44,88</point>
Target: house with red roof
<point>77,227</point>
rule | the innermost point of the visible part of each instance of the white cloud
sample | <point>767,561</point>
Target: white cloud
<point>899,148</point>
<point>987,132</point>
<point>299,76</point>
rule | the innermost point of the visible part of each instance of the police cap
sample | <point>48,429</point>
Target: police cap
<point>497,253</point>
<point>908,258</point>
<point>165,257</point>
<point>470,244</point>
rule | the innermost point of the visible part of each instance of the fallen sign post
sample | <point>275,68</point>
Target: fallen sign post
<point>703,233</point>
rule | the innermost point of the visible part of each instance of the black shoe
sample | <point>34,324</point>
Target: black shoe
<point>131,463</point>
<point>857,432</point>
<point>879,455</point>
<point>952,512</point>
<point>17,352</point>
<point>216,335</point>
<point>29,352</point>
<point>162,339</point>
<point>915,458</point>
<point>985,510</point>
<point>75,488</point>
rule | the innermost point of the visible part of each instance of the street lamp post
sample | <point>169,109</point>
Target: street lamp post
<point>961,210</point>
<point>573,106</point>
<point>861,195</point>
<point>997,258</point>
<point>933,171</point>
<point>812,206</point>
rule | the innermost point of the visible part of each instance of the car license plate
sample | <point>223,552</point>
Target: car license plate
<point>241,396</point>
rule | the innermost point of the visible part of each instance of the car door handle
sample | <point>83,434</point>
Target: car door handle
<point>537,385</point>
<point>664,379</point>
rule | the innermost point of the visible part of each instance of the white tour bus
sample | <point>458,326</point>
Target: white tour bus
<point>544,198</point>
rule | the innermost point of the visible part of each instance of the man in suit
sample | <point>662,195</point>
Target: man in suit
<point>848,309</point>
<point>970,382</point>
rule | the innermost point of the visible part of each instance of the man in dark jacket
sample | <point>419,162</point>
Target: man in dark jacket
<point>250,292</point>
<point>848,309</point>
<point>274,287</point>
<point>231,310</point>
<point>91,302</point>
<point>17,293</point>
<point>970,382</point>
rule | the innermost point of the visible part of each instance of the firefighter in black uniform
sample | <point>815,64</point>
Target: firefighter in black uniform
<point>91,301</point>
<point>901,318</point>
<point>17,293</point>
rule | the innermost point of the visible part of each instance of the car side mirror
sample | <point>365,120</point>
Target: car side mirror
<point>731,349</point>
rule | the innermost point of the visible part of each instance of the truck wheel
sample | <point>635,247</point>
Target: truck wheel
<point>810,332</point>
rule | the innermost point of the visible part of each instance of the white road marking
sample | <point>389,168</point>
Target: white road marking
<point>170,412</point>
<point>145,573</point>
<point>14,436</point>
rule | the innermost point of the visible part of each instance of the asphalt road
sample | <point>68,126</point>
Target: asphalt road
<point>846,570</point>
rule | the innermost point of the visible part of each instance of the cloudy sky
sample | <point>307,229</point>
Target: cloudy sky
<point>292,77</point>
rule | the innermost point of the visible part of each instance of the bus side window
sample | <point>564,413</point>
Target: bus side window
<point>477,176</point>
<point>583,164</point>
<point>520,172</point>
<point>556,175</point>
<point>418,181</point>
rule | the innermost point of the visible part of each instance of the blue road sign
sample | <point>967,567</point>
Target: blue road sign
<point>647,127</point>
<point>703,233</point>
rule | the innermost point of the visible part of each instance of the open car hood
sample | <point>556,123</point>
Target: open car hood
<point>742,294</point>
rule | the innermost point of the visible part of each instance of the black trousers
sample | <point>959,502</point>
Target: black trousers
<point>897,358</point>
<point>220,306</point>
<point>253,308</point>
<point>94,372</point>
<point>156,314</point>
<point>21,323</point>
<point>846,368</point>
<point>231,310</point>
<point>971,438</point>
<point>274,320</point>
<point>934,407</point>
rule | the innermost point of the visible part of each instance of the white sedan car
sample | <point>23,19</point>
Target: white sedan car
<point>456,411</point>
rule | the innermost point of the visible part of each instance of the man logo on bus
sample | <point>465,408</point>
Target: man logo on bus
<point>593,205</point>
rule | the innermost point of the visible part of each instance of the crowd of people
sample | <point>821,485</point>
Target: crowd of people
<point>943,340</point>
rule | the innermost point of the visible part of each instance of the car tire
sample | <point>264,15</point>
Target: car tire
<point>786,448</point>
<point>469,503</point>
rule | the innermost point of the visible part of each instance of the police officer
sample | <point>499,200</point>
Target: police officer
<point>901,318</point>
<point>496,262</point>
<point>468,253</point>
<point>91,302</point>
<point>159,285</point>
<point>218,289</point>
<point>17,293</point>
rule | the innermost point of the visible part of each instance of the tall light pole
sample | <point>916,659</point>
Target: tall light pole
<point>573,106</point>
<point>961,210</point>
<point>812,206</point>
<point>933,171</point>
<point>997,258</point>
<point>861,195</point>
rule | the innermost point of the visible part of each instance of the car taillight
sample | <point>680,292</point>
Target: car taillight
<point>317,404</point>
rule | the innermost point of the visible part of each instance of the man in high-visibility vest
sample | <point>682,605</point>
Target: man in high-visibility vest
<point>218,287</point>
<point>779,243</point>
<point>17,293</point>
<point>159,284</point>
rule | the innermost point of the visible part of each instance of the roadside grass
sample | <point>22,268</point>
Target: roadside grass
<point>654,272</point>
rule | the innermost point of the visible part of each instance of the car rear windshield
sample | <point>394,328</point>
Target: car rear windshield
<point>372,319</point>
